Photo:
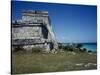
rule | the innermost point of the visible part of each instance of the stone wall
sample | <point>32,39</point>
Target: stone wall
<point>33,30</point>
<point>26,32</point>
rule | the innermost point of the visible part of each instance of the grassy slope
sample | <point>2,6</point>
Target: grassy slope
<point>36,63</point>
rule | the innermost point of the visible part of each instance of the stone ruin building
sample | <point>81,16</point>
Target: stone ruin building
<point>33,30</point>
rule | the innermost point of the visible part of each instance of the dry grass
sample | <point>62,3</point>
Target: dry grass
<point>38,62</point>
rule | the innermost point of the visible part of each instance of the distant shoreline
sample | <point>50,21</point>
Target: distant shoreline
<point>88,46</point>
<point>79,43</point>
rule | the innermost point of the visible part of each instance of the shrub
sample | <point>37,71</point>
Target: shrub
<point>83,50</point>
<point>79,46</point>
<point>67,48</point>
<point>18,48</point>
<point>60,46</point>
<point>36,50</point>
<point>89,51</point>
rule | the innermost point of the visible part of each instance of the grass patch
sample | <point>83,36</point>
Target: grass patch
<point>36,50</point>
<point>39,62</point>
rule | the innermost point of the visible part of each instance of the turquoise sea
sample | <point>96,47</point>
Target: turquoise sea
<point>90,46</point>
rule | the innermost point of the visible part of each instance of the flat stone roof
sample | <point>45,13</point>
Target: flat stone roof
<point>34,12</point>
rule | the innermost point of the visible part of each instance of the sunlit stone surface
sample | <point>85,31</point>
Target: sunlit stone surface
<point>33,30</point>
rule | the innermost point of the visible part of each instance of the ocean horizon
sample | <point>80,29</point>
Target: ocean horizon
<point>88,46</point>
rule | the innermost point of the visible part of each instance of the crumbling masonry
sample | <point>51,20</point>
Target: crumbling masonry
<point>33,30</point>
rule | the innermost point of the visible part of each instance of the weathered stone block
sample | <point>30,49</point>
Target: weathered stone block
<point>33,30</point>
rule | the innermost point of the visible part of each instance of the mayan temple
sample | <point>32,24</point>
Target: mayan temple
<point>33,30</point>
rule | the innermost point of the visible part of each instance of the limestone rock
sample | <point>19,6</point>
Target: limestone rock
<point>33,30</point>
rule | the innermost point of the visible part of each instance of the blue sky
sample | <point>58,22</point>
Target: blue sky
<point>71,23</point>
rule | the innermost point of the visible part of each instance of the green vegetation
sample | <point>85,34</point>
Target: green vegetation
<point>79,46</point>
<point>39,62</point>
<point>73,47</point>
<point>89,51</point>
<point>84,50</point>
<point>36,50</point>
<point>19,48</point>
<point>68,58</point>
